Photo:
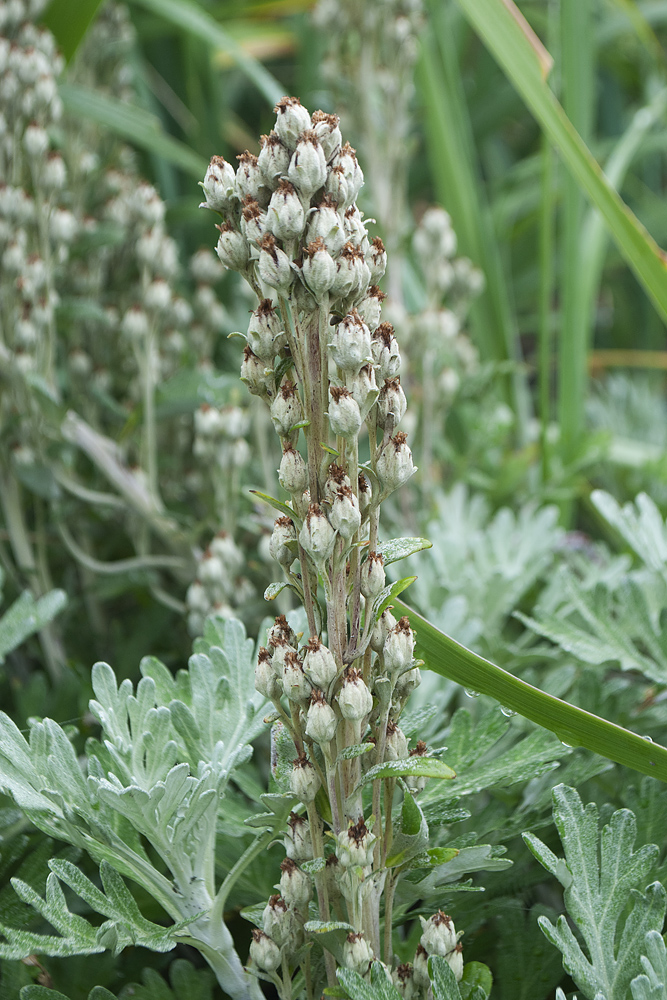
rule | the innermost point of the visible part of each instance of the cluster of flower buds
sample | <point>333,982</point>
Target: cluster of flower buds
<point>439,937</point>
<point>281,934</point>
<point>219,586</point>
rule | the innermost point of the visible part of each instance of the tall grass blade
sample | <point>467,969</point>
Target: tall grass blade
<point>572,725</point>
<point>196,21</point>
<point>134,124</point>
<point>525,61</point>
<point>69,22</point>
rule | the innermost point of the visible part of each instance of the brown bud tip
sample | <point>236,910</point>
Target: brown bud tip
<point>247,157</point>
<point>419,750</point>
<point>286,102</point>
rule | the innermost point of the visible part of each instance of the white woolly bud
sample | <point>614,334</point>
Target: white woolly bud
<point>293,119</point>
<point>135,323</point>
<point>298,842</point>
<point>63,226</point>
<point>381,630</point>
<point>317,536</point>
<point>399,647</point>
<point>370,307</point>
<point>439,937</point>
<point>365,494</point>
<point>308,167</point>
<point>363,387</point>
<point>293,471</point>
<point>253,221</point>
<point>396,745</point>
<point>386,354</point>
<point>277,920</point>
<point>376,258</point>
<point>264,952</point>
<point>337,187</point>
<point>420,969</point>
<point>274,266</point>
<point>204,267</point>
<point>285,217</point>
<point>286,409</point>
<point>273,159</point>
<point>208,421</point>
<point>223,545</point>
<point>355,846</point>
<point>318,268</point>
<point>249,179</point>
<point>351,343</point>
<point>282,545</point>
<point>266,681</point>
<point>295,886</point>
<point>295,683</point>
<point>35,141</point>
<point>344,413</point>
<point>232,248</point>
<point>54,173</point>
<point>325,224</point>
<point>304,780</point>
<point>319,664</point>
<point>355,230</point>
<point>80,363</point>
<point>354,699</point>
<point>391,403</point>
<point>372,575</point>
<point>255,374</point>
<point>403,979</point>
<point>395,466</point>
<point>352,172</point>
<point>326,128</point>
<point>407,683</point>
<point>357,953</point>
<point>219,184</point>
<point>321,721</point>
<point>352,273</point>
<point>345,517</point>
<point>263,329</point>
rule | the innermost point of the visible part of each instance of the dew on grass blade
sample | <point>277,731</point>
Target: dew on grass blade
<point>509,712</point>
<point>471,693</point>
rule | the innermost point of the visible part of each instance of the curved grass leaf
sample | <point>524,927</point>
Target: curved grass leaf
<point>572,725</point>
<point>69,22</point>
<point>194,20</point>
<point>134,124</point>
<point>526,63</point>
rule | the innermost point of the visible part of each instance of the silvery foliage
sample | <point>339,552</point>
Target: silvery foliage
<point>187,983</point>
<point>159,772</point>
<point>25,616</point>
<point>618,950</point>
<point>481,565</point>
<point>615,614</point>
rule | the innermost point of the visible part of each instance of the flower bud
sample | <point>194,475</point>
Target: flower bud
<point>372,575</point>
<point>253,221</point>
<point>286,409</point>
<point>363,387</point>
<point>293,471</point>
<point>439,935</point>
<point>219,185</point>
<point>391,404</point>
<point>325,224</point>
<point>285,216</point>
<point>376,258</point>
<point>273,159</point>
<point>337,188</point>
<point>263,328</point>
<point>318,268</point>
<point>326,128</point>
<point>292,120</point>
<point>420,969</point>
<point>317,536</point>
<point>344,413</point>
<point>354,699</point>
<point>355,846</point>
<point>298,843</point>
<point>274,266</point>
<point>135,324</point>
<point>281,632</point>
<point>407,683</point>
<point>319,664</point>
<point>308,167</point>
<point>353,223</point>
<point>351,343</point>
<point>35,141</point>
<point>352,273</point>
<point>365,494</point>
<point>394,466</point>
<point>381,630</point>
<point>304,780</point>
<point>282,545</point>
<point>345,517</point>
<point>321,722</point>
<point>255,373</point>
<point>295,886</point>
<point>370,308</point>
<point>295,683</point>
<point>264,952</point>
<point>277,921</point>
<point>336,479</point>
<point>385,351</point>
<point>357,953</point>
<point>404,981</point>
<point>266,681</point>
<point>232,248</point>
<point>352,172</point>
<point>249,179</point>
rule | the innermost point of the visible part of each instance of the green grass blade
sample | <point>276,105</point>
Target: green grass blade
<point>572,725</point>
<point>455,177</point>
<point>69,22</point>
<point>526,62</point>
<point>196,21</point>
<point>134,124</point>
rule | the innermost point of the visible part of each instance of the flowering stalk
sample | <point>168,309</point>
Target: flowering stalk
<point>328,368</point>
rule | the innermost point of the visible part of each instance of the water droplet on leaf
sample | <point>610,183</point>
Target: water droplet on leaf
<point>471,693</point>
<point>509,712</point>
